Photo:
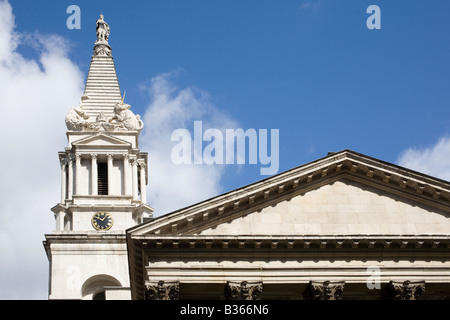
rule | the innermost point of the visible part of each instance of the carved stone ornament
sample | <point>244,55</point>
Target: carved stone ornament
<point>103,30</point>
<point>324,291</point>
<point>76,119</point>
<point>124,119</point>
<point>102,118</point>
<point>102,50</point>
<point>162,291</point>
<point>243,290</point>
<point>102,47</point>
<point>403,290</point>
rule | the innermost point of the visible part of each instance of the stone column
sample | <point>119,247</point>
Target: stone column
<point>162,291</point>
<point>243,290</point>
<point>94,175</point>
<point>126,174</point>
<point>110,175</point>
<point>142,173</point>
<point>403,290</point>
<point>134,177</point>
<point>60,217</point>
<point>77,173</point>
<point>324,291</point>
<point>69,177</point>
<point>63,180</point>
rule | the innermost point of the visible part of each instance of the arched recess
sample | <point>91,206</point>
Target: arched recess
<point>93,287</point>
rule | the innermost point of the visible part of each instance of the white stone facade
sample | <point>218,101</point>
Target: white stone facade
<point>322,227</point>
<point>342,207</point>
<point>314,232</point>
<point>102,172</point>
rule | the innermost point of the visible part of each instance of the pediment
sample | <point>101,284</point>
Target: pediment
<point>342,194</point>
<point>341,207</point>
<point>102,140</point>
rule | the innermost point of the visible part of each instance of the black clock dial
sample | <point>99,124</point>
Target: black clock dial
<point>102,221</point>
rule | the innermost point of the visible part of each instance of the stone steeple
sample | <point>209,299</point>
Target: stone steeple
<point>103,131</point>
<point>102,106</point>
<point>102,91</point>
<point>103,186</point>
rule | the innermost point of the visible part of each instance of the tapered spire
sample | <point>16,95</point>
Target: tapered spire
<point>102,89</point>
<point>102,107</point>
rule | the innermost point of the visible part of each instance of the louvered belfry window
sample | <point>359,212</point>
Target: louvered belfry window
<point>102,179</point>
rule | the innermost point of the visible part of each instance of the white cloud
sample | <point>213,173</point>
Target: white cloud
<point>35,97</point>
<point>173,186</point>
<point>434,160</point>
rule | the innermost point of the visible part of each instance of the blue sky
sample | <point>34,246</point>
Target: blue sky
<point>310,68</point>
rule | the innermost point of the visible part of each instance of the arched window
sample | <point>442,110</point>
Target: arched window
<point>93,288</point>
<point>99,296</point>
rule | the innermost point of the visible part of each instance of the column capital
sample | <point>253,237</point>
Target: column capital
<point>142,164</point>
<point>93,156</point>
<point>77,156</point>
<point>110,156</point>
<point>64,162</point>
<point>326,290</point>
<point>406,290</point>
<point>162,290</point>
<point>70,158</point>
<point>132,158</point>
<point>243,290</point>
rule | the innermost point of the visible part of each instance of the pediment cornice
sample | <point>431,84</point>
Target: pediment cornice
<point>105,138</point>
<point>336,166</point>
<point>302,242</point>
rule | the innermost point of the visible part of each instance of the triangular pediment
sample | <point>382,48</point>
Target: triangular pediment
<point>341,207</point>
<point>102,140</point>
<point>345,193</point>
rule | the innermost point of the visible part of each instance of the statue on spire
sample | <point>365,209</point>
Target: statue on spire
<point>102,47</point>
<point>102,30</point>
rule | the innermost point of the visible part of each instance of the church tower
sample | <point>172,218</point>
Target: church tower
<point>103,179</point>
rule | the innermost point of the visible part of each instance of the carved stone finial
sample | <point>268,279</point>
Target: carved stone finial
<point>103,30</point>
<point>162,291</point>
<point>324,291</point>
<point>102,47</point>
<point>243,290</point>
<point>403,290</point>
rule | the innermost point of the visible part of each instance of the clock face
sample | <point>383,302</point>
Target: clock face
<point>102,221</point>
